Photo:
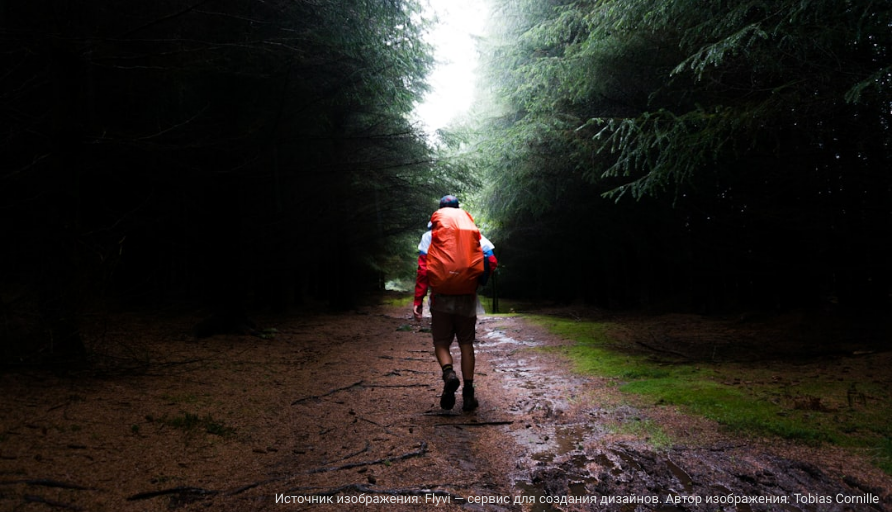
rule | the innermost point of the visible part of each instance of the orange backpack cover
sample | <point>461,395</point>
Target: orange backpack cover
<point>454,259</point>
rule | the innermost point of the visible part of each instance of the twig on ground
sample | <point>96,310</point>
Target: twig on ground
<point>356,384</point>
<point>386,460</point>
<point>663,350</point>
<point>416,491</point>
<point>183,491</point>
<point>375,423</point>
<point>396,385</point>
<point>474,424</point>
<point>45,482</point>
<point>247,487</point>
<point>358,487</point>
<point>367,445</point>
<point>333,391</point>
<point>55,504</point>
<point>412,371</point>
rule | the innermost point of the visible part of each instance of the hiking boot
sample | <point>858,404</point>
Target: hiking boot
<point>451,383</point>
<point>469,403</point>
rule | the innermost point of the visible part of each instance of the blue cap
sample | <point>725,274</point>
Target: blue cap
<point>449,201</point>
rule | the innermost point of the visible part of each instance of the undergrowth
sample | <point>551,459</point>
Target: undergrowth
<point>189,422</point>
<point>791,402</point>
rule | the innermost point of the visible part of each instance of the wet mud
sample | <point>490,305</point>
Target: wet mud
<point>341,412</point>
<point>569,447</point>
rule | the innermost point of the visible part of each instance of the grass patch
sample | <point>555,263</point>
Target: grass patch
<point>189,422</point>
<point>729,406</point>
<point>801,402</point>
<point>884,455</point>
<point>401,301</point>
<point>655,435</point>
<point>183,398</point>
<point>507,307</point>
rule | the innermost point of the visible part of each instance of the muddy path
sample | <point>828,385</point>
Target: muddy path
<point>341,412</point>
<point>570,433</point>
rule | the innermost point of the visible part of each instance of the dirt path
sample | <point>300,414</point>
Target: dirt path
<point>347,408</point>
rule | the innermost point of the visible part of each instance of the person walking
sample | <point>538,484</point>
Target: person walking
<point>453,258</point>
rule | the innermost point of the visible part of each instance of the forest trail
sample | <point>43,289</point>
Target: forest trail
<point>346,407</point>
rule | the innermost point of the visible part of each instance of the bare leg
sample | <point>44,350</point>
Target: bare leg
<point>450,380</point>
<point>444,356</point>
<point>467,361</point>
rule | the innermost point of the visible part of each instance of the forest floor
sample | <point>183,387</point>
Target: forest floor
<point>345,408</point>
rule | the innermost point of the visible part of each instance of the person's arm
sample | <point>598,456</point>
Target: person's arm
<point>421,286</point>
<point>489,260</point>
<point>421,282</point>
<point>488,254</point>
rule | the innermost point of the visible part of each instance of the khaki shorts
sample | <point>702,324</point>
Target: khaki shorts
<point>453,316</point>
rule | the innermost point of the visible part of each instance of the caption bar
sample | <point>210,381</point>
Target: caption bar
<point>672,499</point>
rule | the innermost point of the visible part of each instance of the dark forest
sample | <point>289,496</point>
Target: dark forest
<point>211,211</point>
<point>229,155</point>
<point>234,156</point>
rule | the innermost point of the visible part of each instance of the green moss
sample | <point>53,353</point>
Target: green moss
<point>884,455</point>
<point>191,422</point>
<point>183,398</point>
<point>655,435</point>
<point>728,406</point>
<point>402,301</point>
<point>507,307</point>
<point>798,403</point>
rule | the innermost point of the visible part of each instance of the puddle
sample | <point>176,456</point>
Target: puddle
<point>604,462</point>
<point>561,466</point>
<point>498,337</point>
<point>560,462</point>
<point>549,443</point>
<point>537,491</point>
<point>629,463</point>
<point>528,489</point>
<point>557,462</point>
<point>494,338</point>
<point>581,459</point>
<point>522,371</point>
<point>682,476</point>
<point>565,439</point>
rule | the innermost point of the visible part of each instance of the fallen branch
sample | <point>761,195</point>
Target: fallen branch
<point>367,445</point>
<point>397,385</point>
<point>333,391</point>
<point>182,491</point>
<point>247,487</point>
<point>383,427</point>
<point>474,424</point>
<point>417,453</point>
<point>44,482</point>
<point>663,350</point>
<point>358,487</point>
<point>362,488</point>
<point>356,384</point>
<point>55,504</point>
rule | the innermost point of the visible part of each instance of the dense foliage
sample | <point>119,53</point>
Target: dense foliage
<point>709,154</point>
<point>224,152</point>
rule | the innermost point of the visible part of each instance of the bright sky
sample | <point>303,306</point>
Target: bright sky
<point>452,79</point>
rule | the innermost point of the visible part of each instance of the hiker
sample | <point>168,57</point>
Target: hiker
<point>454,304</point>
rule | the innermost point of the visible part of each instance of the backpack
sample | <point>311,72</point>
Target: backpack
<point>454,259</point>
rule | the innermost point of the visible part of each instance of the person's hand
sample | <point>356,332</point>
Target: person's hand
<point>416,310</point>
